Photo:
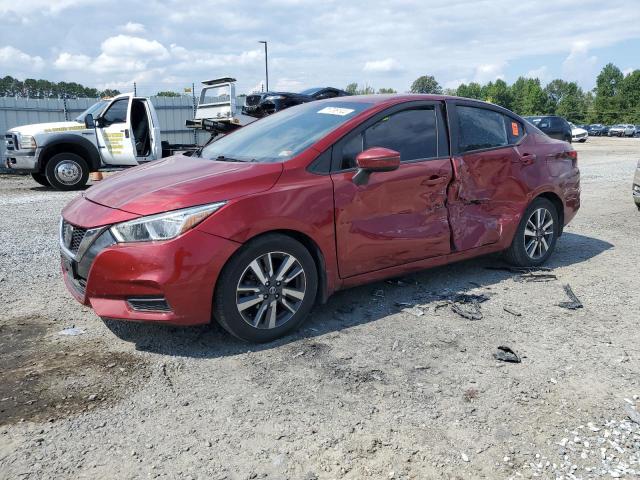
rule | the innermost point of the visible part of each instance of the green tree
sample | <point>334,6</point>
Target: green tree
<point>630,95</point>
<point>566,99</point>
<point>473,90</point>
<point>167,93</point>
<point>386,90</point>
<point>528,97</point>
<point>499,93</point>
<point>352,88</point>
<point>109,93</point>
<point>426,84</point>
<point>607,104</point>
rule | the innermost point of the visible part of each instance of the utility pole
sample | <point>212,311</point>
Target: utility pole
<point>193,97</point>
<point>266,66</point>
<point>135,90</point>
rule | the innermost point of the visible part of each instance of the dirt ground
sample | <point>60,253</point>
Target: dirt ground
<point>364,390</point>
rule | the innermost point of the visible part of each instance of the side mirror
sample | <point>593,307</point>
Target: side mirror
<point>376,159</point>
<point>89,122</point>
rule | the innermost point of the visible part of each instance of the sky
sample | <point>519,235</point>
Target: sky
<point>170,44</point>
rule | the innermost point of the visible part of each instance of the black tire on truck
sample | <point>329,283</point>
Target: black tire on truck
<point>41,178</point>
<point>67,171</point>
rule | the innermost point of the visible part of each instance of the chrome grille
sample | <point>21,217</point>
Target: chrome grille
<point>253,100</point>
<point>72,236</point>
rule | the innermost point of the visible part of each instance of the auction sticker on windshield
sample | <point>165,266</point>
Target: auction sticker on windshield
<point>336,111</point>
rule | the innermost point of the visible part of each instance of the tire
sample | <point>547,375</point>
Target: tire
<point>518,254</point>
<point>41,179</point>
<point>239,285</point>
<point>67,171</point>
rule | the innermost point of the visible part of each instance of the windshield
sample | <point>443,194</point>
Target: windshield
<point>283,135</point>
<point>95,110</point>
<point>310,91</point>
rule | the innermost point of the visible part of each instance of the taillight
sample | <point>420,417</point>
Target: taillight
<point>573,155</point>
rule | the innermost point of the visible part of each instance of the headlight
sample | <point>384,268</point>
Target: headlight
<point>163,226</point>
<point>26,142</point>
<point>274,97</point>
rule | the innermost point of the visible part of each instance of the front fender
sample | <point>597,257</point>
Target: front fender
<point>77,143</point>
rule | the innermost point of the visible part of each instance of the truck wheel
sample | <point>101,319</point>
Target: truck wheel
<point>536,236</point>
<point>41,179</point>
<point>266,289</point>
<point>67,171</point>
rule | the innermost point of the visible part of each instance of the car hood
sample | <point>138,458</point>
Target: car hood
<point>578,131</point>
<point>47,128</point>
<point>180,182</point>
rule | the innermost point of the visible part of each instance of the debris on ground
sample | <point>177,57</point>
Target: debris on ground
<point>512,311</point>
<point>527,274</point>
<point>467,305</point>
<point>633,414</point>
<point>506,354</point>
<point>574,302</point>
<point>71,331</point>
<point>415,311</point>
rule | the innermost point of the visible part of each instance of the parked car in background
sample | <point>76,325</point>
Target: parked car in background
<point>622,130</point>
<point>266,103</point>
<point>596,130</point>
<point>554,126</point>
<point>637,130</point>
<point>578,134</point>
<point>281,213</point>
<point>636,186</point>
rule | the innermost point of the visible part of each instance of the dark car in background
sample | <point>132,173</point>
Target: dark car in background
<point>265,103</point>
<point>597,130</point>
<point>554,126</point>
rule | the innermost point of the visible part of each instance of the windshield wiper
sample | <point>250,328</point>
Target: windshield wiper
<point>222,158</point>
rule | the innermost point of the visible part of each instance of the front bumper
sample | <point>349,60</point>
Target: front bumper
<point>114,278</point>
<point>636,190</point>
<point>21,160</point>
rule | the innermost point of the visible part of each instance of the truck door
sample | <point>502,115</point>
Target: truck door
<point>114,133</point>
<point>156,141</point>
<point>489,189</point>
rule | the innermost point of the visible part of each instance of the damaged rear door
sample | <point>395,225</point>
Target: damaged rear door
<point>487,192</point>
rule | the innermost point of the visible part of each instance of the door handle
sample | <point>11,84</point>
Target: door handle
<point>126,133</point>
<point>528,158</point>
<point>434,180</point>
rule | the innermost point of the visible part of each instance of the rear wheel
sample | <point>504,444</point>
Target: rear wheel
<point>41,179</point>
<point>536,237</point>
<point>267,289</point>
<point>67,171</point>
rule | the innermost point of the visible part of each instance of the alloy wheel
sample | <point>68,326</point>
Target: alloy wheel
<point>538,233</point>
<point>271,290</point>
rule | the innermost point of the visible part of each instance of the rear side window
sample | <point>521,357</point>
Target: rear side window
<point>117,112</point>
<point>413,133</point>
<point>480,128</point>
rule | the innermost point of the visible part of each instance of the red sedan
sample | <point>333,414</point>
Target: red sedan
<point>280,214</point>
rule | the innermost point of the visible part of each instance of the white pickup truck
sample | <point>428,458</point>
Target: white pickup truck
<point>110,135</point>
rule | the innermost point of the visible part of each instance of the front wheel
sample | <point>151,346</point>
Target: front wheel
<point>67,171</point>
<point>267,289</point>
<point>536,236</point>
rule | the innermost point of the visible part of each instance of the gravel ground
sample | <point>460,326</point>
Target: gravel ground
<point>367,389</point>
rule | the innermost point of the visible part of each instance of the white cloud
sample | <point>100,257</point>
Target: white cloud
<point>11,57</point>
<point>489,72</point>
<point>382,66</point>
<point>132,27</point>
<point>129,46</point>
<point>288,85</point>
<point>540,73</point>
<point>69,61</point>
<point>579,66</point>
